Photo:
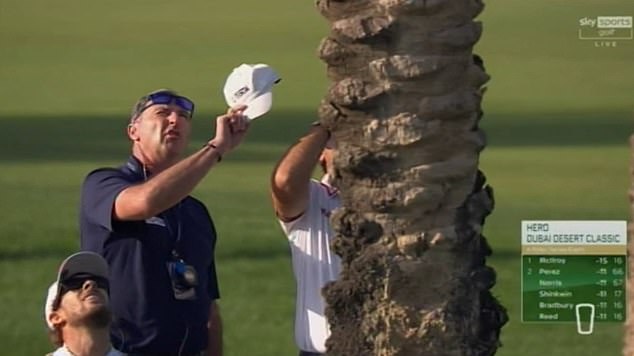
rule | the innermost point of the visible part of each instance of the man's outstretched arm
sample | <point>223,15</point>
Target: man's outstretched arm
<point>291,176</point>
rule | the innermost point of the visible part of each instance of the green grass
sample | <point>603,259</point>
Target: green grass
<point>558,115</point>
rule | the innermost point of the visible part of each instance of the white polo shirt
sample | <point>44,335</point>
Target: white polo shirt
<point>314,264</point>
<point>64,351</point>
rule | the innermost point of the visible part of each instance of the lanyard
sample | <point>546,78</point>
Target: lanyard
<point>173,225</point>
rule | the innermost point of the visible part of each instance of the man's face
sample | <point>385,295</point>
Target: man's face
<point>83,302</point>
<point>161,131</point>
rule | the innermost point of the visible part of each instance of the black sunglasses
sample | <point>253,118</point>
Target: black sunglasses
<point>76,283</point>
<point>167,98</point>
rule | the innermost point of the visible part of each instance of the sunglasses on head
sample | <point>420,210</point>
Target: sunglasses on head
<point>168,98</point>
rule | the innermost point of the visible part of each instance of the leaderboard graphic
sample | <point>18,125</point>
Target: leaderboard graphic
<point>574,271</point>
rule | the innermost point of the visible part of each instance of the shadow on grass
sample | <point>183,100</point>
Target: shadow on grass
<point>98,138</point>
<point>258,253</point>
<point>37,252</point>
<point>503,254</point>
<point>61,251</point>
<point>558,129</point>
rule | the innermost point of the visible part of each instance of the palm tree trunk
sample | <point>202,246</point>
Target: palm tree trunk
<point>404,107</point>
<point>628,348</point>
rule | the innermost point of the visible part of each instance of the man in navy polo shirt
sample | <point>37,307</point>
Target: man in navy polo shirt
<point>159,241</point>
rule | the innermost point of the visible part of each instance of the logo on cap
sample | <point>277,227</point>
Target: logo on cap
<point>251,85</point>
<point>241,92</point>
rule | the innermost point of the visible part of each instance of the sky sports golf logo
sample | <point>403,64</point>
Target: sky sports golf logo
<point>606,28</point>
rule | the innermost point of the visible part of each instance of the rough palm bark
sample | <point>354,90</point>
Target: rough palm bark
<point>628,348</point>
<point>404,107</point>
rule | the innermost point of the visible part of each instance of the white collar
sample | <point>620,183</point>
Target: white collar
<point>64,351</point>
<point>327,179</point>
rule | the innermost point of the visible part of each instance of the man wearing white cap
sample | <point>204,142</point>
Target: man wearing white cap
<point>77,308</point>
<point>303,206</point>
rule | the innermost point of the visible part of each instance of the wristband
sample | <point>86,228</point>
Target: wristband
<point>209,144</point>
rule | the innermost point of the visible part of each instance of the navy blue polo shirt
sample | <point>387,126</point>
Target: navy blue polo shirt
<point>147,316</point>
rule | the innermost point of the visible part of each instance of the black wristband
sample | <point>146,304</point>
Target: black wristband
<point>209,144</point>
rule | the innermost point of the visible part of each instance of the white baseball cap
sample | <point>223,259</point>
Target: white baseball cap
<point>85,262</point>
<point>251,85</point>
